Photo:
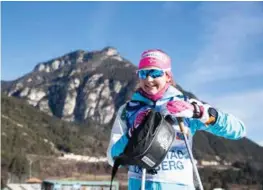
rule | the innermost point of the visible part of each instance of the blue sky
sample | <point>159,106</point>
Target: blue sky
<point>216,47</point>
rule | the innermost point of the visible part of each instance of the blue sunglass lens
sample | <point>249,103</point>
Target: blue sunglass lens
<point>142,74</point>
<point>154,73</point>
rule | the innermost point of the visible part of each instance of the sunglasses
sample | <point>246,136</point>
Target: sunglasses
<point>154,73</point>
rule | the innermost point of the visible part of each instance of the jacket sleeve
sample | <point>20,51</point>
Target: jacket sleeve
<point>118,138</point>
<point>226,125</point>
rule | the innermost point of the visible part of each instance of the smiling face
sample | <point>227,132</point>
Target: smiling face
<point>154,85</point>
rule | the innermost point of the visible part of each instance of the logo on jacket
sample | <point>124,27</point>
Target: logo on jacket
<point>180,136</point>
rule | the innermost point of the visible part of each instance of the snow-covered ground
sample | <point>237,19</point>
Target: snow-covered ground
<point>83,158</point>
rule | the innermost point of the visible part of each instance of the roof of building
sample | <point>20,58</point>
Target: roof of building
<point>20,186</point>
<point>72,182</point>
<point>33,180</point>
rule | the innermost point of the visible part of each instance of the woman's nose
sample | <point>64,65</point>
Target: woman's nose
<point>149,78</point>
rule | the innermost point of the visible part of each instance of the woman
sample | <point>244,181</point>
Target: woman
<point>156,91</point>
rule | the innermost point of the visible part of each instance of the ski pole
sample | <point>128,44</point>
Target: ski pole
<point>181,125</point>
<point>143,179</point>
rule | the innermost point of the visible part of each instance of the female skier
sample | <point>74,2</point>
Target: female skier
<point>156,91</point>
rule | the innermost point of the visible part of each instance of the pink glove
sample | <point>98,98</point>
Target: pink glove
<point>139,119</point>
<point>180,108</point>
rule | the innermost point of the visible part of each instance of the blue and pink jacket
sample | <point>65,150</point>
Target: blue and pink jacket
<point>175,172</point>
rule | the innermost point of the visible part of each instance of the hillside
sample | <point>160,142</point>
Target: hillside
<point>29,134</point>
<point>26,130</point>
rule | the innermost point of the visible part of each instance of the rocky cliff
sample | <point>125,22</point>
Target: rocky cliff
<point>78,86</point>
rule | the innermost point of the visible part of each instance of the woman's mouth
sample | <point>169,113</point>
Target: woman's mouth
<point>150,87</point>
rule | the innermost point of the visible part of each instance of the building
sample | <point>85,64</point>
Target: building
<point>78,185</point>
<point>31,184</point>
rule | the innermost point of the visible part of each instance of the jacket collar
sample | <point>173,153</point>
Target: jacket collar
<point>170,93</point>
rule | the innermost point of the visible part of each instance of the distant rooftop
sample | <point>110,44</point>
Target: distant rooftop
<point>88,183</point>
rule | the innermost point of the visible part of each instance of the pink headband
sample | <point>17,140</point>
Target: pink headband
<point>155,58</point>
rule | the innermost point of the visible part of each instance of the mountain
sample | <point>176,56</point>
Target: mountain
<point>77,86</point>
<point>67,105</point>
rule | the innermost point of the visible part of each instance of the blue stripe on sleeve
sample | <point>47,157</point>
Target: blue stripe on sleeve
<point>227,126</point>
<point>119,146</point>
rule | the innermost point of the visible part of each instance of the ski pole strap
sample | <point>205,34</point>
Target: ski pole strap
<point>120,160</point>
<point>114,171</point>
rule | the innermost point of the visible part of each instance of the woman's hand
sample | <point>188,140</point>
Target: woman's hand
<point>191,109</point>
<point>181,108</point>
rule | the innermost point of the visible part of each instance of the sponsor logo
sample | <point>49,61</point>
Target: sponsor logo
<point>156,55</point>
<point>148,161</point>
<point>164,140</point>
<point>180,136</point>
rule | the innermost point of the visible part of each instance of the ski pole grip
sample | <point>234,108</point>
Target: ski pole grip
<point>181,123</point>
